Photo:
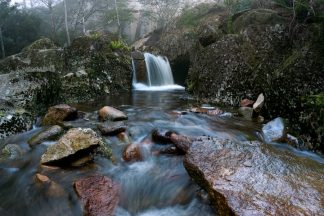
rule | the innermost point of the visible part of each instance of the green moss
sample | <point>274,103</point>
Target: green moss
<point>315,100</point>
<point>2,113</point>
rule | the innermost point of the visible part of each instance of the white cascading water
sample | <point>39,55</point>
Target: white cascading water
<point>159,75</point>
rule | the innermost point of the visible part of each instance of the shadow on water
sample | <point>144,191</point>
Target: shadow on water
<point>158,185</point>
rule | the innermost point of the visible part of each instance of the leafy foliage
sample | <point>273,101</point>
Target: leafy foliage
<point>119,45</point>
<point>19,28</point>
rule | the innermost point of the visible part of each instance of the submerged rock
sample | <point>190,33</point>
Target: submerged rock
<point>251,178</point>
<point>49,134</point>
<point>132,153</point>
<point>74,142</point>
<point>274,131</point>
<point>60,113</point>
<point>11,151</point>
<point>110,113</point>
<point>98,194</point>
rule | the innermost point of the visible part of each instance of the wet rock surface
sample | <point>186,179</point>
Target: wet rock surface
<point>48,134</point>
<point>75,141</point>
<point>99,195</point>
<point>60,113</point>
<point>251,178</point>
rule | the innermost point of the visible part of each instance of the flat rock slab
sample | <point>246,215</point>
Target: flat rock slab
<point>98,194</point>
<point>252,178</point>
<point>112,128</point>
<point>74,141</point>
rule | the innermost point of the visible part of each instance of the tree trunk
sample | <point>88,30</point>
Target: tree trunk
<point>31,3</point>
<point>25,4</point>
<point>118,21</point>
<point>66,24</point>
<point>2,44</point>
<point>83,26</point>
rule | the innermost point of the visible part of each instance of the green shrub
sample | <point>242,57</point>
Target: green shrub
<point>119,45</point>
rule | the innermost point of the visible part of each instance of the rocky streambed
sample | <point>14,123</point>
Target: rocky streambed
<point>155,153</point>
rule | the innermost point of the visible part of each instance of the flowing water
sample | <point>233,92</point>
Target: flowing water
<point>158,185</point>
<point>159,75</point>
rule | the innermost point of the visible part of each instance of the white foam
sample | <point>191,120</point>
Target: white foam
<point>143,87</point>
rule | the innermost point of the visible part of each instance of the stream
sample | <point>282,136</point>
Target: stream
<point>158,185</point>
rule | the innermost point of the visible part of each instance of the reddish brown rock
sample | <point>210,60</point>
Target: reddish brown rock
<point>59,113</point>
<point>246,103</point>
<point>110,113</point>
<point>183,143</point>
<point>252,178</point>
<point>98,194</point>
<point>132,153</point>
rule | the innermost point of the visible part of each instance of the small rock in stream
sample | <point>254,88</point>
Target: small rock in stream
<point>110,113</point>
<point>160,138</point>
<point>132,152</point>
<point>257,106</point>
<point>98,194</point>
<point>49,134</point>
<point>274,131</point>
<point>60,113</point>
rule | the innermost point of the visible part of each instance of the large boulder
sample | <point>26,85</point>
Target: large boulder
<point>76,143</point>
<point>94,69</point>
<point>99,195</point>
<point>251,178</point>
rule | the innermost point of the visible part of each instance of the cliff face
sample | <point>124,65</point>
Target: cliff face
<point>239,56</point>
<point>44,75</point>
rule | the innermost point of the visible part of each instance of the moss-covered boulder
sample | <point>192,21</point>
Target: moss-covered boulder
<point>96,68</point>
<point>13,120</point>
<point>75,144</point>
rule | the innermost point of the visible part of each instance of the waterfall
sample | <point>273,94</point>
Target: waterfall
<point>158,74</point>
